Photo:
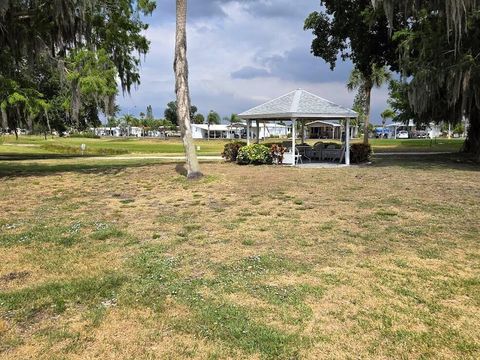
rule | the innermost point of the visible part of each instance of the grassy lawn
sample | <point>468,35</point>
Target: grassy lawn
<point>130,145</point>
<point>417,145</point>
<point>126,260</point>
<point>38,146</point>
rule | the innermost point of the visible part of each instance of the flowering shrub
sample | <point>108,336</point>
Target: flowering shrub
<point>277,151</point>
<point>230,151</point>
<point>255,154</point>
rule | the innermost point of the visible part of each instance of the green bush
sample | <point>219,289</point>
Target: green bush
<point>255,154</point>
<point>337,145</point>
<point>360,153</point>
<point>85,135</point>
<point>230,151</point>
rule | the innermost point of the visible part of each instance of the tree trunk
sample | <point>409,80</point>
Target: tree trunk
<point>368,95</point>
<point>48,123</point>
<point>76,103</point>
<point>30,123</point>
<point>472,143</point>
<point>182,91</point>
<point>4,119</point>
<point>17,121</point>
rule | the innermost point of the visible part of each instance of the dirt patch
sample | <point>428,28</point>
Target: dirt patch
<point>16,275</point>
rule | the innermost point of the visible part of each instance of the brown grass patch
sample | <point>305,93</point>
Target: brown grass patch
<point>380,262</point>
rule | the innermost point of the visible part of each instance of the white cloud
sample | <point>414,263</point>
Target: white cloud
<point>256,34</point>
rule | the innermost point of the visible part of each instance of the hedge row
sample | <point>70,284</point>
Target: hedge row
<point>257,154</point>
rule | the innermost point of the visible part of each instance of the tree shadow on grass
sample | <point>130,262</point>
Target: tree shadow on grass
<point>28,156</point>
<point>454,161</point>
<point>18,169</point>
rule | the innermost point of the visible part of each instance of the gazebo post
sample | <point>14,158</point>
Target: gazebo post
<point>258,133</point>
<point>294,135</point>
<point>303,132</point>
<point>248,132</point>
<point>347,141</point>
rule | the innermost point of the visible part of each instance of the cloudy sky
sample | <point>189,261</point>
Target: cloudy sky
<point>241,53</point>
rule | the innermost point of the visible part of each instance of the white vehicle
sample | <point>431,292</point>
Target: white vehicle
<point>403,135</point>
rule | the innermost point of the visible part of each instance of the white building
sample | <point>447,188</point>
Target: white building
<point>118,131</point>
<point>107,131</point>
<point>203,131</point>
<point>432,130</point>
<point>324,129</point>
<point>271,130</point>
<point>238,131</point>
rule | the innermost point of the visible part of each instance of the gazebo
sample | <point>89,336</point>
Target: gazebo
<point>304,107</point>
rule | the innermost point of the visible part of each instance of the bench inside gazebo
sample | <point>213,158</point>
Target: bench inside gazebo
<point>303,107</point>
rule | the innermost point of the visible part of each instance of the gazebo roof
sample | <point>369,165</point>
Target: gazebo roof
<point>298,104</point>
<point>319,123</point>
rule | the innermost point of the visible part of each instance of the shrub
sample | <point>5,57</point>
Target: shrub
<point>277,152</point>
<point>360,153</point>
<point>85,135</point>
<point>337,145</point>
<point>230,151</point>
<point>255,154</point>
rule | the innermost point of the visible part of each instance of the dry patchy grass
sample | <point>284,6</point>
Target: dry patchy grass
<point>250,262</point>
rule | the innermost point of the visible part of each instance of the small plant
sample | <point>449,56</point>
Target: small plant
<point>277,151</point>
<point>248,242</point>
<point>255,154</point>
<point>230,151</point>
<point>360,153</point>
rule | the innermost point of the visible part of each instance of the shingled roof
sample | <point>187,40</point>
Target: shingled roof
<point>298,104</point>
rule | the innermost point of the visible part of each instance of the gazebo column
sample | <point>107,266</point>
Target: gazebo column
<point>294,135</point>
<point>303,132</point>
<point>258,132</point>
<point>347,141</point>
<point>248,132</point>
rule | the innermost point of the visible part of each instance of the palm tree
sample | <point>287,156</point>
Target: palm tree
<point>212,118</point>
<point>183,94</point>
<point>386,114</point>
<point>379,76</point>
<point>234,119</point>
<point>126,121</point>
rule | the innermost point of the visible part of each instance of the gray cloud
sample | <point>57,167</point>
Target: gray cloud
<point>295,65</point>
<point>259,8</point>
<point>165,10</point>
<point>250,72</point>
<point>299,65</point>
<point>281,8</point>
<point>241,53</point>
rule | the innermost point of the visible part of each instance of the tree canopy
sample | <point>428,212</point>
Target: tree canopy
<point>433,45</point>
<point>213,118</point>
<point>358,31</point>
<point>439,62</point>
<point>171,112</point>
<point>79,47</point>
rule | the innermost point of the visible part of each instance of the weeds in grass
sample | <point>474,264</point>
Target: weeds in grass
<point>55,297</point>
<point>372,276</point>
<point>74,150</point>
